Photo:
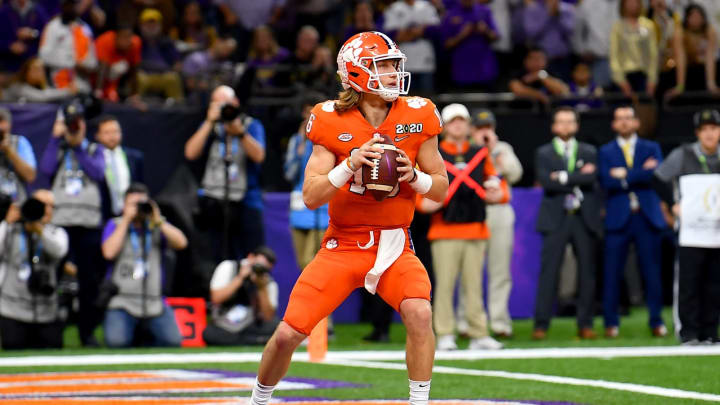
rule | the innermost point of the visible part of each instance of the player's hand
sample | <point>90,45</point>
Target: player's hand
<point>367,151</point>
<point>405,168</point>
<point>588,168</point>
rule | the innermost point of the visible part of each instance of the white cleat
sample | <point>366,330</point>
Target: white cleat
<point>446,342</point>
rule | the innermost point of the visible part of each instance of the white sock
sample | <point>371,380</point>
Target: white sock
<point>419,392</point>
<point>261,393</point>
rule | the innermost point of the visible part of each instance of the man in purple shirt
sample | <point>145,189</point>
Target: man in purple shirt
<point>468,30</point>
<point>549,25</point>
<point>20,27</point>
<point>76,168</point>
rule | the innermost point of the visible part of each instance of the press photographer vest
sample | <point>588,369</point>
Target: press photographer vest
<point>16,300</point>
<point>10,183</point>
<point>77,196</point>
<point>213,182</point>
<point>139,290</point>
<point>465,204</point>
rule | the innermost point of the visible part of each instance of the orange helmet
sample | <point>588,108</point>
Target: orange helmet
<point>357,65</point>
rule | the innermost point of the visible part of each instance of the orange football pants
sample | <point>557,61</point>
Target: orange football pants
<point>340,267</point>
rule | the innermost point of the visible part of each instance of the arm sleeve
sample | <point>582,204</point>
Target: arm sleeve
<point>606,181</point>
<point>25,151</point>
<point>110,227</point>
<point>640,175</point>
<point>49,161</point>
<point>618,76</point>
<point>224,272</point>
<point>257,131</point>
<point>670,168</point>
<point>512,169</point>
<point>491,172</point>
<point>580,179</point>
<point>93,165</point>
<point>433,121</point>
<point>542,174</point>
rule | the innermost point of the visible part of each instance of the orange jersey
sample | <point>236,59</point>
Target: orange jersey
<point>410,122</point>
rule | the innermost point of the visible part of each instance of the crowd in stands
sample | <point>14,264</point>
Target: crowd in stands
<point>171,52</point>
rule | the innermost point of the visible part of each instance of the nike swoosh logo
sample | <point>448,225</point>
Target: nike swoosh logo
<point>421,386</point>
<point>401,138</point>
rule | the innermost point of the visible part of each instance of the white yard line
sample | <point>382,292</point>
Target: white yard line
<point>378,355</point>
<point>618,386</point>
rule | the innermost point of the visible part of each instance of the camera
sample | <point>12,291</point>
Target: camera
<point>39,283</point>
<point>5,202</point>
<point>145,208</point>
<point>32,210</point>
<point>259,269</point>
<point>229,112</point>
<point>74,112</point>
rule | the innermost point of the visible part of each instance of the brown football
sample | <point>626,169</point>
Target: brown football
<point>381,178</point>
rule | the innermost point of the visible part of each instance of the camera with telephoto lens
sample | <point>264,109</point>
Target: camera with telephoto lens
<point>73,112</point>
<point>39,282</point>
<point>259,269</point>
<point>229,112</point>
<point>145,208</point>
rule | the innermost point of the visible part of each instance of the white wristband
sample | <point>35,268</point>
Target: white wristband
<point>422,183</point>
<point>340,174</point>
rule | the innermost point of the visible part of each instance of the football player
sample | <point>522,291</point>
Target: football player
<point>367,242</point>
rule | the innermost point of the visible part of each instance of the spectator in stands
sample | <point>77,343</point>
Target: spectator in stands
<point>133,244</point>
<point>119,54</point>
<point>363,19</point>
<point>569,213</point>
<point>410,24</point>
<point>711,7</point>
<point>534,82</point>
<point>17,161</point>
<point>202,69</point>
<point>245,300</point>
<point>30,85</point>
<point>193,33</point>
<point>584,93</point>
<point>307,226</point>
<point>32,249</point>
<point>697,281</point>
<point>501,11</point>
<point>241,17</point>
<point>468,31</point>
<point>160,62</point>
<point>66,48</point>
<point>668,29</point>
<point>265,54</point>
<point>549,25</point>
<point>593,24</point>
<point>77,170</point>
<point>458,231</point>
<point>634,51</point>
<point>301,61</point>
<point>625,167</point>
<point>123,165</point>
<point>22,22</point>
<point>130,12</point>
<point>697,69</point>
<point>500,222</point>
<point>234,149</point>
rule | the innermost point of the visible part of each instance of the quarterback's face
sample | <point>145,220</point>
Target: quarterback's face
<point>385,69</point>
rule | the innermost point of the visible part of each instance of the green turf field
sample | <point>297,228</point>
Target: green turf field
<point>453,378</point>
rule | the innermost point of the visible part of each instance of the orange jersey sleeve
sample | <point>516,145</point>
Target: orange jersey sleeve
<point>410,122</point>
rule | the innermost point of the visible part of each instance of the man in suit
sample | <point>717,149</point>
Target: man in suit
<point>626,167</point>
<point>569,212</point>
<point>123,165</point>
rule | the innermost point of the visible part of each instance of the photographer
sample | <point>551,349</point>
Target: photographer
<point>17,161</point>
<point>30,251</point>
<point>132,290</point>
<point>230,197</point>
<point>77,170</point>
<point>245,299</point>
